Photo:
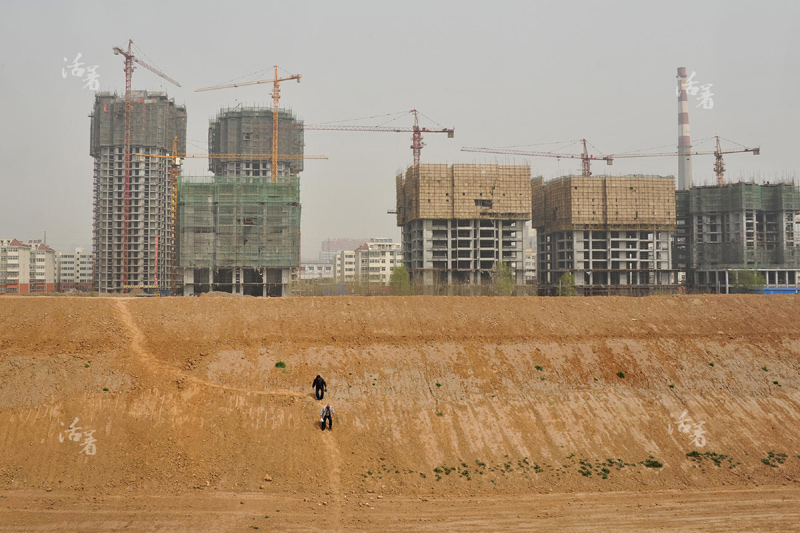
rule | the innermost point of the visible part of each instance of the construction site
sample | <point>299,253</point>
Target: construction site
<point>458,222</point>
<point>451,413</point>
<point>132,224</point>
<point>739,226</point>
<point>613,234</point>
<point>239,230</point>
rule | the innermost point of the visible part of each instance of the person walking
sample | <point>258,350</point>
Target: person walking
<point>326,414</point>
<point>320,387</point>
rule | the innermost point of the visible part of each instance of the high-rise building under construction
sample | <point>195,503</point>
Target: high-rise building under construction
<point>239,230</point>
<point>458,222</point>
<point>741,226</point>
<point>155,122</point>
<point>612,233</point>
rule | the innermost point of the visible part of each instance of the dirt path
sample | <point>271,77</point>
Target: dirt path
<point>768,509</point>
<point>334,478</point>
<point>160,369</point>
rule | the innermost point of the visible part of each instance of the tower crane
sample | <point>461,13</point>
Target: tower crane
<point>176,160</point>
<point>584,156</point>
<point>276,96</point>
<point>719,163</point>
<point>416,132</point>
<point>130,59</point>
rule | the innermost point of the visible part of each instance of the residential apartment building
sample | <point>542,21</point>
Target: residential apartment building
<point>344,266</point>
<point>309,271</point>
<point>15,270</point>
<point>331,247</point>
<point>42,267</point>
<point>74,271</point>
<point>376,259</point>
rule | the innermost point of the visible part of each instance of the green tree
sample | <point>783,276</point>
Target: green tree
<point>566,284</point>
<point>748,280</point>
<point>400,281</point>
<point>503,279</point>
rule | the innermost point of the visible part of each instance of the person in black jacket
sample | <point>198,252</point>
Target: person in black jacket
<point>320,387</point>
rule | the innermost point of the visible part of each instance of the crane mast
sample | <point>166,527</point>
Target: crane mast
<point>130,59</point>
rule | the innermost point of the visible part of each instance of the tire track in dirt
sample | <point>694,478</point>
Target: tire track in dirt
<point>157,367</point>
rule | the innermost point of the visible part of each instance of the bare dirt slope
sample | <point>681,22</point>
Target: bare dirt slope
<point>441,397</point>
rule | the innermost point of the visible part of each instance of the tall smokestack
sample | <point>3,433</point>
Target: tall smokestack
<point>684,137</point>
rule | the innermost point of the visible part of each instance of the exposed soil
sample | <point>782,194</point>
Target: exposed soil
<point>468,413</point>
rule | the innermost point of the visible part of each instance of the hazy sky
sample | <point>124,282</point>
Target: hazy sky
<point>501,73</point>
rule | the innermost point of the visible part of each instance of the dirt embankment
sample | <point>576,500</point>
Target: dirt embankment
<point>432,395</point>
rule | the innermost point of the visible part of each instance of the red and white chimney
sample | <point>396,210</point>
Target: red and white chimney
<point>684,136</point>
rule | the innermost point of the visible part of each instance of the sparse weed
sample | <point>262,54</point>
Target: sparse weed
<point>716,458</point>
<point>540,368</point>
<point>773,457</point>
<point>651,463</point>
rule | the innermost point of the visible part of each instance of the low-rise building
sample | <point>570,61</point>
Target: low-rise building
<point>42,267</point>
<point>310,271</point>
<point>74,271</point>
<point>376,259</point>
<point>15,270</point>
<point>344,266</point>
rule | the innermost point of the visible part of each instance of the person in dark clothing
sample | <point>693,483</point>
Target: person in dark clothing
<point>320,387</point>
<point>326,414</point>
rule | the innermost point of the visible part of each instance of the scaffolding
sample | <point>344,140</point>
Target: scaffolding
<point>459,221</point>
<point>602,202</point>
<point>613,234</point>
<point>236,222</point>
<point>463,192</point>
<point>155,122</point>
<point>741,225</point>
<point>248,130</point>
